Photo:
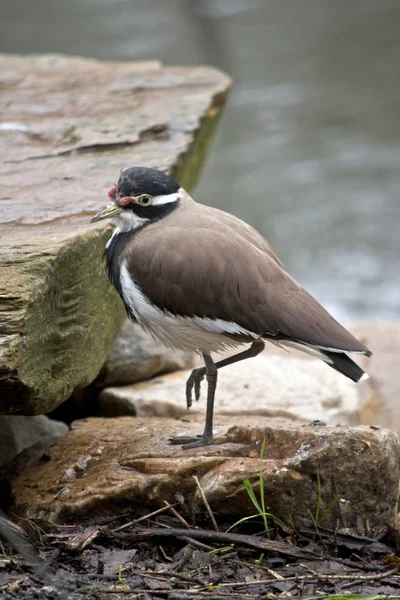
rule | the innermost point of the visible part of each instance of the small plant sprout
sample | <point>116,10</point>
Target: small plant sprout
<point>260,505</point>
<point>396,506</point>
<point>222,550</point>
<point>120,571</point>
<point>320,515</point>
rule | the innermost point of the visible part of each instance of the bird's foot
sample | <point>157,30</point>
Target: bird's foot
<point>192,442</point>
<point>194,383</point>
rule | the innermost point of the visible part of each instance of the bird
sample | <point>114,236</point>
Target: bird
<point>201,280</point>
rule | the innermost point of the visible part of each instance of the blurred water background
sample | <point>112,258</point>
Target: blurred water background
<point>308,150</point>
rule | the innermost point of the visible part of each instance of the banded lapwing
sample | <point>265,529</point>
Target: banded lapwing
<point>201,280</point>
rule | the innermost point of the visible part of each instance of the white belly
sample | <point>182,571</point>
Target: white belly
<point>193,334</point>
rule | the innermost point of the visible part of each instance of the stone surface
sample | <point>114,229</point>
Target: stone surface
<point>380,398</point>
<point>267,384</point>
<point>394,529</point>
<point>18,433</point>
<point>136,356</point>
<point>67,127</point>
<point>111,466</point>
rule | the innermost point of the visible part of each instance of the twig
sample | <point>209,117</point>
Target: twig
<point>195,543</point>
<point>17,538</point>
<point>210,512</point>
<point>177,515</point>
<point>358,565</point>
<point>173,574</point>
<point>152,514</point>
<point>210,595</point>
<point>229,538</point>
<point>256,566</point>
<point>316,576</point>
<point>136,593</point>
<point>316,527</point>
<point>165,555</point>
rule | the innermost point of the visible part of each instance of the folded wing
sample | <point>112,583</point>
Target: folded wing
<point>224,273</point>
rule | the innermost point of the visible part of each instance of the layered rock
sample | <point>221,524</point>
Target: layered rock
<point>109,466</point>
<point>67,127</point>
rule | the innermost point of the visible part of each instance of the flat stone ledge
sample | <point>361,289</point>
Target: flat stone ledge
<point>282,383</point>
<point>68,125</point>
<point>113,466</point>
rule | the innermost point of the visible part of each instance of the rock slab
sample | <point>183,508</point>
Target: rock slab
<point>111,466</point>
<point>67,127</point>
<point>18,433</point>
<point>281,383</point>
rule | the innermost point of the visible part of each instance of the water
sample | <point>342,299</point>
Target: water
<point>308,149</point>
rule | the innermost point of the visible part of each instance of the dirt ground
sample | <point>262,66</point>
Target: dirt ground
<point>162,556</point>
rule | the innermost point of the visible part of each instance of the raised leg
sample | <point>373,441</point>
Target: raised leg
<point>210,371</point>
<point>197,375</point>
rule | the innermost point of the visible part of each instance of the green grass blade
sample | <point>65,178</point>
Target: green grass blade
<point>222,549</point>
<point>261,477</point>
<point>328,510</point>
<point>242,520</point>
<point>252,496</point>
<point>318,508</point>
<point>396,506</point>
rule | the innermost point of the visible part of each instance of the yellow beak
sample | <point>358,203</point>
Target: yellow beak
<point>112,210</point>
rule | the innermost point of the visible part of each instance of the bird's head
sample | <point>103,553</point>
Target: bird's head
<point>141,195</point>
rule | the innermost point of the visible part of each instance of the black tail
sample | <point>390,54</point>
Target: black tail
<point>342,363</point>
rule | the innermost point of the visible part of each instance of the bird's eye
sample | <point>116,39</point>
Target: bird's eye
<point>145,200</point>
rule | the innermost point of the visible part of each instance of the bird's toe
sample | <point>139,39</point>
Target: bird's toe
<point>194,383</point>
<point>191,442</point>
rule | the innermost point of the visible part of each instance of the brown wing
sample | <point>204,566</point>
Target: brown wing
<point>192,269</point>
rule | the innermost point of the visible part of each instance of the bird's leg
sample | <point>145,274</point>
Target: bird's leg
<point>197,375</point>
<point>210,371</point>
<point>212,376</point>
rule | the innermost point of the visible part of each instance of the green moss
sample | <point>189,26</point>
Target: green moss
<point>188,167</point>
<point>70,324</point>
<point>74,313</point>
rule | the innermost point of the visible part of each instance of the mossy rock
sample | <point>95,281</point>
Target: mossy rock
<point>72,125</point>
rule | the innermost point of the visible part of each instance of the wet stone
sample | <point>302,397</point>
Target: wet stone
<point>343,477</point>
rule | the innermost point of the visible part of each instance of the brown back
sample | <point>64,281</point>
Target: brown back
<point>199,261</point>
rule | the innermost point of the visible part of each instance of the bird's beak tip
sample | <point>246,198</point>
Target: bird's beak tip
<point>112,210</point>
<point>98,217</point>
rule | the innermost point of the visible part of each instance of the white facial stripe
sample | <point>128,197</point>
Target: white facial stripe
<point>165,199</point>
<point>128,220</point>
